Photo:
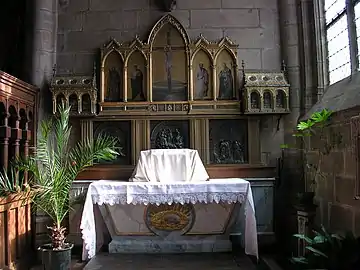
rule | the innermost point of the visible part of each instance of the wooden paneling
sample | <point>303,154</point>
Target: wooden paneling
<point>15,232</point>
<point>18,114</point>
<point>111,172</point>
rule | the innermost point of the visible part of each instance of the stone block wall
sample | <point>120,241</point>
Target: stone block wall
<point>335,194</point>
<point>84,26</point>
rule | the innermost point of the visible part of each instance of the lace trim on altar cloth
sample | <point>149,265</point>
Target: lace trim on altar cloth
<point>183,198</point>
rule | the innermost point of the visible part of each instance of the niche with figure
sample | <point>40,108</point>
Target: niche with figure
<point>169,64</point>
<point>225,75</point>
<point>73,103</point>
<point>137,77</point>
<point>86,103</point>
<point>255,100</point>
<point>267,100</point>
<point>202,79</point>
<point>280,99</point>
<point>113,74</point>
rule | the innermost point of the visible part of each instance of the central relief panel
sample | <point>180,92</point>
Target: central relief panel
<point>169,134</point>
<point>169,75</point>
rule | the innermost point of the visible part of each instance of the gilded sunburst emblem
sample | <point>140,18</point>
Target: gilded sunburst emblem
<point>169,218</point>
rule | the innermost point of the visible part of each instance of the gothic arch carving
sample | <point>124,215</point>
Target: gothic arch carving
<point>168,19</point>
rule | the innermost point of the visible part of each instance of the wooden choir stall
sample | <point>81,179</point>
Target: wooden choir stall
<point>17,133</point>
<point>170,92</point>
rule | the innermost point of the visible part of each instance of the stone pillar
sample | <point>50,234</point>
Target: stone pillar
<point>290,180</point>
<point>307,52</point>
<point>41,57</point>
<point>320,43</point>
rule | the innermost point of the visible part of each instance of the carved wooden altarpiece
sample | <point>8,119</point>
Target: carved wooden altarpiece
<point>174,92</point>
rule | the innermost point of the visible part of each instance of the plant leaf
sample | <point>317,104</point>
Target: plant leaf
<point>316,251</point>
<point>303,237</point>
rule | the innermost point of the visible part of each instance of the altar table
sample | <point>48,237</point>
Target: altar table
<point>229,190</point>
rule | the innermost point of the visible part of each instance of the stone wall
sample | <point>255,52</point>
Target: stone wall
<point>84,26</point>
<point>335,194</point>
<point>70,33</point>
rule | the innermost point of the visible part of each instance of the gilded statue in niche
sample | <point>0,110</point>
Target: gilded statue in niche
<point>113,78</point>
<point>201,77</point>
<point>113,85</point>
<point>137,77</point>
<point>225,73</point>
<point>169,66</point>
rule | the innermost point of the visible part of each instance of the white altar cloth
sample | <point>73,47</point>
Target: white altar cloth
<point>229,190</point>
<point>169,165</point>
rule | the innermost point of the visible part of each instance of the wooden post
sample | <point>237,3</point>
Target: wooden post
<point>4,142</point>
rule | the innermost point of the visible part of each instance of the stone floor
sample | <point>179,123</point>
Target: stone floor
<point>208,261</point>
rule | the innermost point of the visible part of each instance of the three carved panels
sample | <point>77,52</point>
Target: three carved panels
<point>168,67</point>
<point>227,142</point>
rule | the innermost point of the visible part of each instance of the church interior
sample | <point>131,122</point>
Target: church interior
<point>235,82</point>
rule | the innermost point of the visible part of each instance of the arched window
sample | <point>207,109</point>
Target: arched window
<point>341,18</point>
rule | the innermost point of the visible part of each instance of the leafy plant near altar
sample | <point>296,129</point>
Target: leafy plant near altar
<point>317,126</point>
<point>329,251</point>
<point>52,170</point>
<point>12,185</point>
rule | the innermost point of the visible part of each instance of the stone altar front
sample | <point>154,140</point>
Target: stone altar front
<point>171,228</point>
<point>171,217</point>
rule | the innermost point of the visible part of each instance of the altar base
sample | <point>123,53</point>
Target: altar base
<point>175,228</point>
<point>136,245</point>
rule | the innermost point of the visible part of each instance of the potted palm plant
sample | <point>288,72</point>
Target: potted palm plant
<point>52,169</point>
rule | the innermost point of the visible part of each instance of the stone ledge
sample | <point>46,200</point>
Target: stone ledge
<point>163,246</point>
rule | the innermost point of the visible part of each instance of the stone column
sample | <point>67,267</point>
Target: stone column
<point>307,52</point>
<point>41,57</point>
<point>320,43</point>
<point>291,168</point>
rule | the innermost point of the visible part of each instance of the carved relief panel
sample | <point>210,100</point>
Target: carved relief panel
<point>228,141</point>
<point>120,130</point>
<point>169,134</point>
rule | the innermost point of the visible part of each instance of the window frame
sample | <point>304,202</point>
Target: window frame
<point>351,28</point>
